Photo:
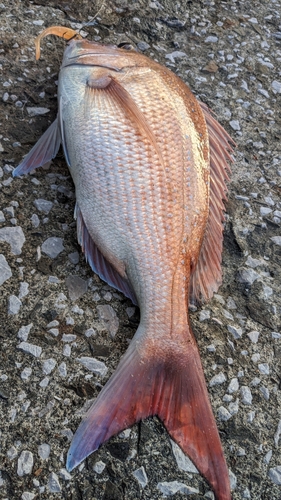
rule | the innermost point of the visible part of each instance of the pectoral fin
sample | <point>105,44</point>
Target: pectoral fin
<point>43,152</point>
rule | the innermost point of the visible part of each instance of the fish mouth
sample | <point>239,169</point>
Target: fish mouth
<point>86,58</point>
<point>97,54</point>
<point>76,62</point>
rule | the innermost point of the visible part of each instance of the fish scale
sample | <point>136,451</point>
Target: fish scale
<point>149,166</point>
<point>107,181</point>
<point>105,195</point>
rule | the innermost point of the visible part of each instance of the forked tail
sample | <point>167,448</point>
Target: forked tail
<point>170,386</point>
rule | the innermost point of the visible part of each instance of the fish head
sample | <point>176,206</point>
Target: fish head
<point>85,52</point>
<point>80,51</point>
<point>122,60</point>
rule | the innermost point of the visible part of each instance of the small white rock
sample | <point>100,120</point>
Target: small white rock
<point>24,331</point>
<point>26,372</point>
<point>54,331</point>
<point>170,488</point>
<point>14,305</point>
<point>264,392</point>
<point>53,247</point>
<point>277,434</point>
<point>48,366</point>
<point>265,211</point>
<point>235,125</point>
<point>248,276</point>
<point>268,457</point>
<point>44,450</point>
<point>235,331</point>
<point>251,416</point>
<point>227,398</point>
<point>253,336</point>
<point>276,87</point>
<point>14,236</point>
<point>12,453</point>
<point>23,289</point>
<point>204,314</point>
<point>184,463</point>
<point>246,395</point>
<point>36,111</point>
<point>264,368</point>
<point>94,365</point>
<point>68,337</point>
<point>256,357</point>
<point>233,407</point>
<point>5,270</point>
<point>177,54</point>
<point>33,349</point>
<point>90,332</point>
<point>276,240</point>
<point>253,262</point>
<point>44,382</point>
<point>27,495</point>
<point>25,463</point>
<point>211,39</point>
<point>218,379</point>
<point>275,474</point>
<point>246,493</point>
<point>223,414</point>
<point>43,205</point>
<point>65,474</point>
<point>233,480</point>
<point>233,386</point>
<point>141,476</point>
<point>62,369</point>
<point>53,483</point>
<point>78,310</point>
<point>35,220</point>
<point>99,467</point>
<point>53,324</point>
<point>66,350</point>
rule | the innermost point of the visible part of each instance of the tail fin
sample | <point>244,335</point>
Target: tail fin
<point>174,389</point>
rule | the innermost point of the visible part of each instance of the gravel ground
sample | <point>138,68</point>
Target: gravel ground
<point>55,313</point>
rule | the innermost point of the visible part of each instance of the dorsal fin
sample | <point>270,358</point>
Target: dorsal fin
<point>206,277</point>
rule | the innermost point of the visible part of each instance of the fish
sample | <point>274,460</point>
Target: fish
<point>150,166</point>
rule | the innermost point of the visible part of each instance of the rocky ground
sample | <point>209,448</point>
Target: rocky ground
<point>56,314</point>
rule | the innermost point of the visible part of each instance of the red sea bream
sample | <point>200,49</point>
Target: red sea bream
<point>149,166</point>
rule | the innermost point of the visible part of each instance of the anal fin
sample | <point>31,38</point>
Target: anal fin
<point>98,262</point>
<point>45,149</point>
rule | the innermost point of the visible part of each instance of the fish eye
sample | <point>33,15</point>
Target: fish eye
<point>125,45</point>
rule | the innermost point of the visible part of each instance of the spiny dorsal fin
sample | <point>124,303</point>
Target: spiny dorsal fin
<point>206,277</point>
